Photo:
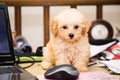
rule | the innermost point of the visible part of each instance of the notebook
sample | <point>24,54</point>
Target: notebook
<point>8,69</point>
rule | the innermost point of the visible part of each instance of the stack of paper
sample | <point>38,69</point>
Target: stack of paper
<point>113,65</point>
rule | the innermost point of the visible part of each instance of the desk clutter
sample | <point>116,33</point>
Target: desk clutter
<point>109,58</point>
<point>23,51</point>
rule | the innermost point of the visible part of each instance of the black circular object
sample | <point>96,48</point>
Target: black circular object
<point>100,29</point>
<point>62,72</point>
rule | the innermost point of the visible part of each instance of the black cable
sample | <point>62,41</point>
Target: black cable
<point>32,62</point>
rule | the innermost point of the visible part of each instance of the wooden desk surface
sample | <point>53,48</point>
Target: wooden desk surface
<point>37,70</point>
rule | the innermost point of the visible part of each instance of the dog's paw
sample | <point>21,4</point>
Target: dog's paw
<point>82,69</point>
<point>46,65</point>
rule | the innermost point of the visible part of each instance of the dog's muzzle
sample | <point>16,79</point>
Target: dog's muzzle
<point>71,35</point>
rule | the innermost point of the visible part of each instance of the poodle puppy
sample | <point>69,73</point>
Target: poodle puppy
<point>69,42</point>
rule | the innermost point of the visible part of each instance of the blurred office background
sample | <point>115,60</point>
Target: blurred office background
<point>32,20</point>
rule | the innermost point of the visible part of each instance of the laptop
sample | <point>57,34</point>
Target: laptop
<point>8,69</point>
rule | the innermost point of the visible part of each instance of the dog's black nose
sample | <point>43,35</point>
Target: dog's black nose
<point>71,35</point>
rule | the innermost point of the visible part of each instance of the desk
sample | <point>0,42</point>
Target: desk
<point>37,70</point>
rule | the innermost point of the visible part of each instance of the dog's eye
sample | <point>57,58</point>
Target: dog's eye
<point>64,27</point>
<point>76,27</point>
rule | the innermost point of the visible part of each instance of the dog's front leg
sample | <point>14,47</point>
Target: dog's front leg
<point>81,63</point>
<point>48,59</point>
<point>62,59</point>
<point>82,67</point>
<point>46,65</point>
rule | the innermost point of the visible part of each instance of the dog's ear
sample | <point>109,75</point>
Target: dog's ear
<point>86,28</point>
<point>54,27</point>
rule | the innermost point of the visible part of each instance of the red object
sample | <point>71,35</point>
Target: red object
<point>115,50</point>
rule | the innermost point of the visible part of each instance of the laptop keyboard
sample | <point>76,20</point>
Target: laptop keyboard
<point>10,69</point>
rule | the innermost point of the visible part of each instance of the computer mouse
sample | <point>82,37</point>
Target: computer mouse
<point>62,72</point>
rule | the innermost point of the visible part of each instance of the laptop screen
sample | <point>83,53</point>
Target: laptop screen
<point>6,44</point>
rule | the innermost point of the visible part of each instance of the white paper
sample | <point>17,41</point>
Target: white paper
<point>95,49</point>
<point>113,65</point>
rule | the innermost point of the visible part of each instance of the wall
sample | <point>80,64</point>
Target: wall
<point>32,20</point>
